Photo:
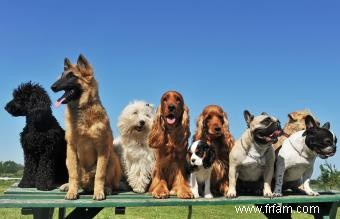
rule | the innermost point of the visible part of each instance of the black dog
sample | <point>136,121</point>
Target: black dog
<point>42,139</point>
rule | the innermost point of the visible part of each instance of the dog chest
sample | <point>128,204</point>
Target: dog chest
<point>86,152</point>
<point>295,172</point>
<point>202,174</point>
<point>251,170</point>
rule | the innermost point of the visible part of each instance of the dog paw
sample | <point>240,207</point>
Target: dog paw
<point>173,192</point>
<point>161,195</point>
<point>196,195</point>
<point>267,194</point>
<point>45,186</point>
<point>209,195</point>
<point>139,190</point>
<point>231,194</point>
<point>312,193</point>
<point>277,194</point>
<point>108,190</point>
<point>64,187</point>
<point>98,196</point>
<point>185,195</point>
<point>71,195</point>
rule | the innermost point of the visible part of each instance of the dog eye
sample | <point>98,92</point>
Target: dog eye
<point>178,100</point>
<point>328,141</point>
<point>266,121</point>
<point>135,113</point>
<point>148,115</point>
<point>70,75</point>
<point>164,99</point>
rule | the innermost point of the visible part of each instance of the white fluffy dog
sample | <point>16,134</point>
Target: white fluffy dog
<point>137,157</point>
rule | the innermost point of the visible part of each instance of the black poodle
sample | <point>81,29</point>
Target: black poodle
<point>42,139</point>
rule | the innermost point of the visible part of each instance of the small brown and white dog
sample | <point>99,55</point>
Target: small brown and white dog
<point>213,128</point>
<point>137,158</point>
<point>252,158</point>
<point>91,161</point>
<point>200,159</point>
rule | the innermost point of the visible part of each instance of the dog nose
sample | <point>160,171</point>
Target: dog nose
<point>54,87</point>
<point>218,129</point>
<point>193,160</point>
<point>141,122</point>
<point>171,107</point>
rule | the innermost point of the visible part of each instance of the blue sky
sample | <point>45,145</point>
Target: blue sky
<point>274,56</point>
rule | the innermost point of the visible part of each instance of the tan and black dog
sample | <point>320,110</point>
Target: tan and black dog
<point>92,163</point>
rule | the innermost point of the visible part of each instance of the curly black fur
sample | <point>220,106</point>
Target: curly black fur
<point>42,139</point>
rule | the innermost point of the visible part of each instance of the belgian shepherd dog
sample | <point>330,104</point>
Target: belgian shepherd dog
<point>92,163</point>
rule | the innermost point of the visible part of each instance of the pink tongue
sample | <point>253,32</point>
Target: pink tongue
<point>171,121</point>
<point>276,133</point>
<point>58,103</point>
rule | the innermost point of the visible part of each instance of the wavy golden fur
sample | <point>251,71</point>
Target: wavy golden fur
<point>169,136</point>
<point>213,127</point>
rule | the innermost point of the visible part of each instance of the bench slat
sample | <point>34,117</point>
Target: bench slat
<point>111,201</point>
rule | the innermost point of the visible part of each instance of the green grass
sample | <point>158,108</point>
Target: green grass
<point>199,212</point>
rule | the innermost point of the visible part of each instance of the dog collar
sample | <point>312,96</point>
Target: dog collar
<point>300,153</point>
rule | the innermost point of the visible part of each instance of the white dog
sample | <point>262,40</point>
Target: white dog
<point>295,161</point>
<point>137,157</point>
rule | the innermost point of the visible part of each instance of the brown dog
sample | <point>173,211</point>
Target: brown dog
<point>169,135</point>
<point>213,127</point>
<point>295,123</point>
<point>91,162</point>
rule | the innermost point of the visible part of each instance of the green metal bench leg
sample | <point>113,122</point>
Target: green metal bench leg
<point>189,211</point>
<point>120,210</point>
<point>62,213</point>
<point>43,213</point>
<point>328,210</point>
<point>38,213</point>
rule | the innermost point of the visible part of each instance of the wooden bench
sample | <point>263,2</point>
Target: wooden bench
<point>41,204</point>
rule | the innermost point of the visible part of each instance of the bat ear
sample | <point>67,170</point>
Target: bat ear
<point>310,122</point>
<point>291,117</point>
<point>327,125</point>
<point>248,117</point>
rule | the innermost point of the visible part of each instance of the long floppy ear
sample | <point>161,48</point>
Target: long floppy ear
<point>39,109</point>
<point>186,121</point>
<point>210,157</point>
<point>228,138</point>
<point>157,133</point>
<point>85,68</point>
<point>199,128</point>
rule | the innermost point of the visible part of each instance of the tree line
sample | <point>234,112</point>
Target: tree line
<point>10,168</point>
